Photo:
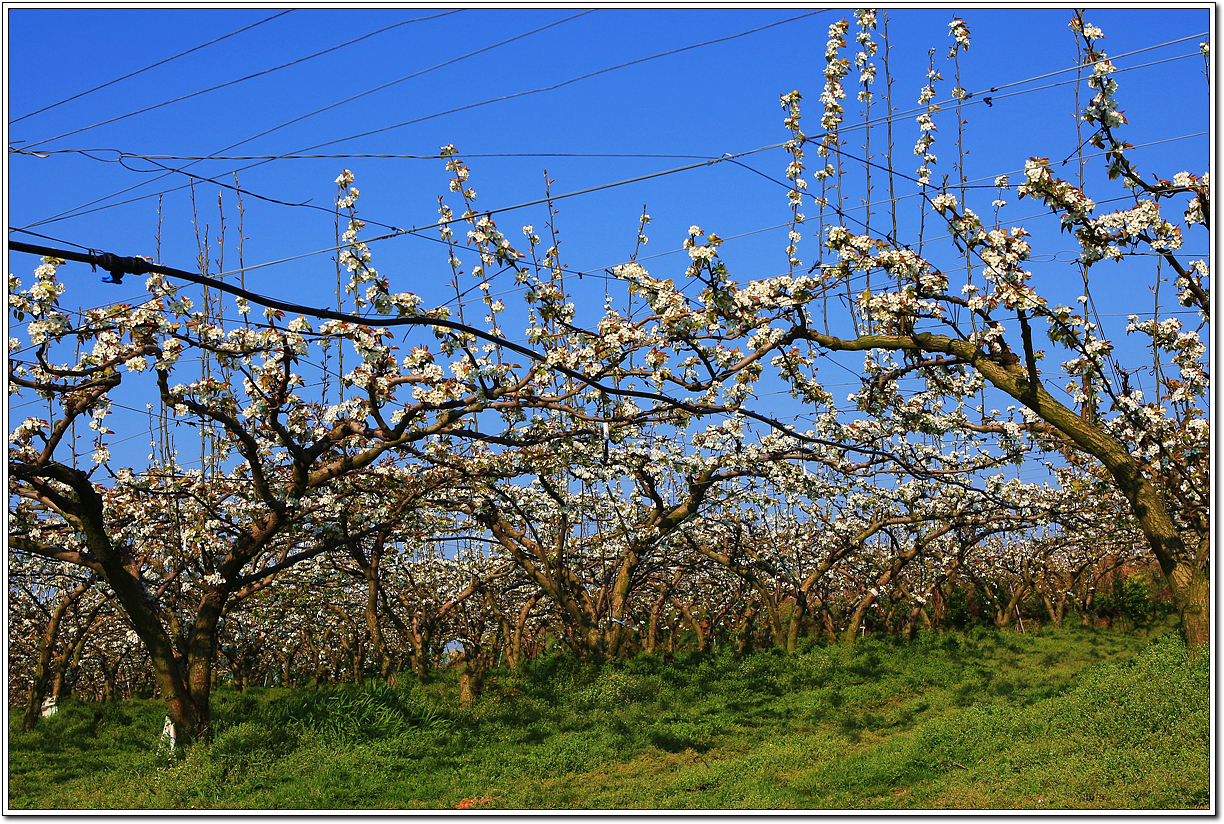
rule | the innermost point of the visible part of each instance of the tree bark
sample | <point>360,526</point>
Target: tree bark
<point>795,622</point>
<point>471,679</point>
<point>46,647</point>
<point>746,630</point>
<point>1191,587</point>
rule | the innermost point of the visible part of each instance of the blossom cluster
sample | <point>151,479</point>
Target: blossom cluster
<point>926,122</point>
<point>836,68</point>
<point>866,19</point>
<point>794,173</point>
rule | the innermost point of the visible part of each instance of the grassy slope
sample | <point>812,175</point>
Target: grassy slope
<point>981,721</point>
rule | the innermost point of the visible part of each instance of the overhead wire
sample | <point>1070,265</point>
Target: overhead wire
<point>154,159</point>
<point>596,274</point>
<point>593,274</point>
<point>76,212</point>
<point>647,257</point>
<point>241,79</point>
<point>408,77</point>
<point>843,211</point>
<point>150,66</point>
<point>48,237</point>
<point>434,156</point>
<point>418,229</point>
<point>851,127</point>
<point>697,165</point>
<point>1115,57</point>
<point>241,191</point>
<point>563,83</point>
<point>993,97</point>
<point>678,250</point>
<point>969,99</point>
<point>726,157</point>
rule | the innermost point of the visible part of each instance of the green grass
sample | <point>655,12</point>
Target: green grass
<point>1054,719</point>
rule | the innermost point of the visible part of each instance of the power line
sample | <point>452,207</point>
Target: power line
<point>407,77</point>
<point>649,257</point>
<point>243,79</point>
<point>1080,79</point>
<point>1115,57</point>
<point>982,95</point>
<point>461,108</point>
<point>53,239</point>
<point>151,66</point>
<point>852,127</point>
<point>329,211</point>
<point>843,212</point>
<point>441,223</point>
<point>917,194</point>
<point>249,193</point>
<point>568,82</point>
<point>153,158</point>
<point>296,156</point>
<point>601,275</point>
<point>75,212</point>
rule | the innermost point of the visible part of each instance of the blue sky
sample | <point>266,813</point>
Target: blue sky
<point>696,104</point>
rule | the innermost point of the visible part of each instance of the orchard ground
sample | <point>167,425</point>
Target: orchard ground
<point>1077,718</point>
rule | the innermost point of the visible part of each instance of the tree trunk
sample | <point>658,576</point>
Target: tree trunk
<point>41,673</point>
<point>514,653</point>
<point>746,630</point>
<point>374,622</point>
<point>69,667</point>
<point>652,629</point>
<point>856,618</point>
<point>472,671</point>
<point>696,626</point>
<point>42,670</point>
<point>1056,605</point>
<point>917,611</point>
<point>1192,596</point>
<point>60,679</point>
<point>109,692</point>
<point>826,621</point>
<point>795,622</point>
<point>86,514</point>
<point>619,606</point>
<point>201,654</point>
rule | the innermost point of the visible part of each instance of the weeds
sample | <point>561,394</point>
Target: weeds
<point>354,714</point>
<point>1055,719</point>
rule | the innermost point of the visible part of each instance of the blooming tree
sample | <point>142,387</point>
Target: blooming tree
<point>614,476</point>
<point>932,350</point>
